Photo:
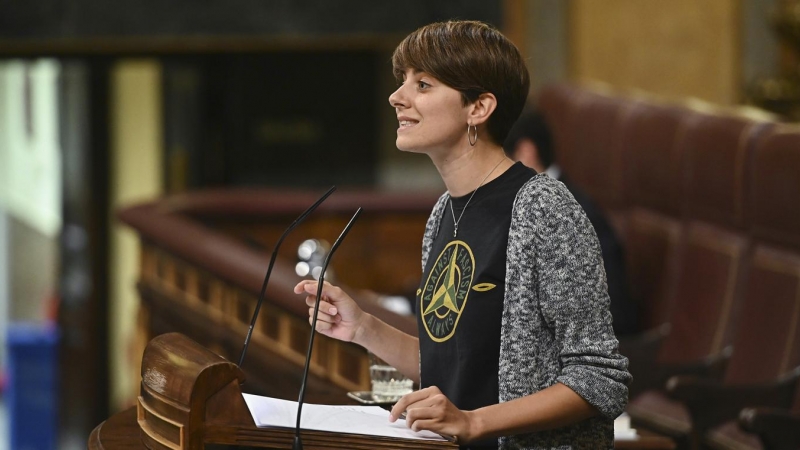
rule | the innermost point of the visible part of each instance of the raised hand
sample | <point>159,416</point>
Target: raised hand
<point>339,316</point>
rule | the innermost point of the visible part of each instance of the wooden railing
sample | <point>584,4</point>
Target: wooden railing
<point>203,261</point>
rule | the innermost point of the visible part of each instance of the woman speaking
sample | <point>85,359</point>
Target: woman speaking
<point>515,347</point>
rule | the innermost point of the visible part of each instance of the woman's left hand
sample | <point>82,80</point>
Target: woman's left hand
<point>429,409</point>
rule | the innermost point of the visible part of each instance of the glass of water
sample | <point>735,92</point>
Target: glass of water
<point>388,384</point>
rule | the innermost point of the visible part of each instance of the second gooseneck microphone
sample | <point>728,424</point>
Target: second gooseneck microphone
<point>298,443</point>
<point>272,263</point>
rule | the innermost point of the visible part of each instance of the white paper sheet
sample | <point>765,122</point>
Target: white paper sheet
<point>368,420</point>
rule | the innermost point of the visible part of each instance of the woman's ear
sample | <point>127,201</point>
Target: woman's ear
<point>482,108</point>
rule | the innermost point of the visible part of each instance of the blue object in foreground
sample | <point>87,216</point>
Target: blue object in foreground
<point>32,389</point>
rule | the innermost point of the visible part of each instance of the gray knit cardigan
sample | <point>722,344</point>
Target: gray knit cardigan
<point>556,325</point>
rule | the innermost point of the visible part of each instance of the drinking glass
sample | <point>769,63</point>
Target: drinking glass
<point>388,384</point>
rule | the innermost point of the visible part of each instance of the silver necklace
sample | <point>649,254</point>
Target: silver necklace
<point>455,221</point>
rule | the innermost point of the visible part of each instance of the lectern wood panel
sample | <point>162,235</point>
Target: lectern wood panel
<point>179,377</point>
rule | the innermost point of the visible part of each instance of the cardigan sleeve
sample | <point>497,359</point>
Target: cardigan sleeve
<point>573,299</point>
<point>432,228</point>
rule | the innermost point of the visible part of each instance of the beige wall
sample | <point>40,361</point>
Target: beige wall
<point>136,175</point>
<point>675,48</point>
<point>30,192</point>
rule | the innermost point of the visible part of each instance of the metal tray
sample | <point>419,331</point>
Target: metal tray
<point>365,397</point>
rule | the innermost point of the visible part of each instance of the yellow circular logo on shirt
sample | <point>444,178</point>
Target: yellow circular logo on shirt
<point>445,292</point>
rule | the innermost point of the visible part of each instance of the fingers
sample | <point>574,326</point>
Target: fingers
<point>339,314</point>
<point>416,399</point>
<point>324,307</point>
<point>401,405</point>
<point>311,286</point>
<point>420,424</point>
<point>327,315</point>
<point>302,286</point>
<point>427,409</point>
<point>429,414</point>
<point>322,325</point>
<point>323,317</point>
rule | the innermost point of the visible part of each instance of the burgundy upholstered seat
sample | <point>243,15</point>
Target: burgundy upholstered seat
<point>764,367</point>
<point>652,157</point>
<point>713,250</point>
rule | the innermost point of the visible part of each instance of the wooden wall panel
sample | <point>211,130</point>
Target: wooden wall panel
<point>677,48</point>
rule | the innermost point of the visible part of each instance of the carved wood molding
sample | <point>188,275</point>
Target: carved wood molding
<point>206,281</point>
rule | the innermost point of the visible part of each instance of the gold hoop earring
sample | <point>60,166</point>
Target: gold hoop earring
<point>469,138</point>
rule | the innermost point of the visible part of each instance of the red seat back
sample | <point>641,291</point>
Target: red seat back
<point>596,164</point>
<point>652,158</point>
<point>767,342</point>
<point>715,244</point>
<point>706,294</point>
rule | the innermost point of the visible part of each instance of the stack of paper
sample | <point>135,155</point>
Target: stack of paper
<point>367,420</point>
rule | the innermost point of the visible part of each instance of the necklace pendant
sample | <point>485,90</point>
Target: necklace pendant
<point>455,231</point>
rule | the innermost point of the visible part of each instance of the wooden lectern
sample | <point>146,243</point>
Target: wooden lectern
<point>190,397</point>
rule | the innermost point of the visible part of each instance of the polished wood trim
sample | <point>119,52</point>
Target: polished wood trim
<point>173,227</point>
<point>121,432</point>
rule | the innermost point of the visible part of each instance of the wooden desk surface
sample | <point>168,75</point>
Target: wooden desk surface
<point>121,432</point>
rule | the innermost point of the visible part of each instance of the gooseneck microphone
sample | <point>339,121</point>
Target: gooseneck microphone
<point>272,263</point>
<point>298,443</point>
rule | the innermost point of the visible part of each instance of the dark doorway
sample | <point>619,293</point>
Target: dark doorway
<point>278,119</point>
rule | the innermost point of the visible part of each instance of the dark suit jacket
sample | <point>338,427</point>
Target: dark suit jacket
<point>623,309</point>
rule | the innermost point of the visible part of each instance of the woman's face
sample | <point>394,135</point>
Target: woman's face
<point>430,114</point>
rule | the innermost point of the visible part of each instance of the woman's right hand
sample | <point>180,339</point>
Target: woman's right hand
<point>339,316</point>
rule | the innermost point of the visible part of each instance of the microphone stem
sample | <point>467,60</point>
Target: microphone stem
<point>272,263</point>
<point>298,443</point>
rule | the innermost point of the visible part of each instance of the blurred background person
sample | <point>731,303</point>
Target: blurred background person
<point>530,142</point>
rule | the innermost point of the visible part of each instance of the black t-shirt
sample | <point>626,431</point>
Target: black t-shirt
<point>460,301</point>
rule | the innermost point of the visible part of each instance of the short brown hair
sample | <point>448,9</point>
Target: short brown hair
<point>472,58</point>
